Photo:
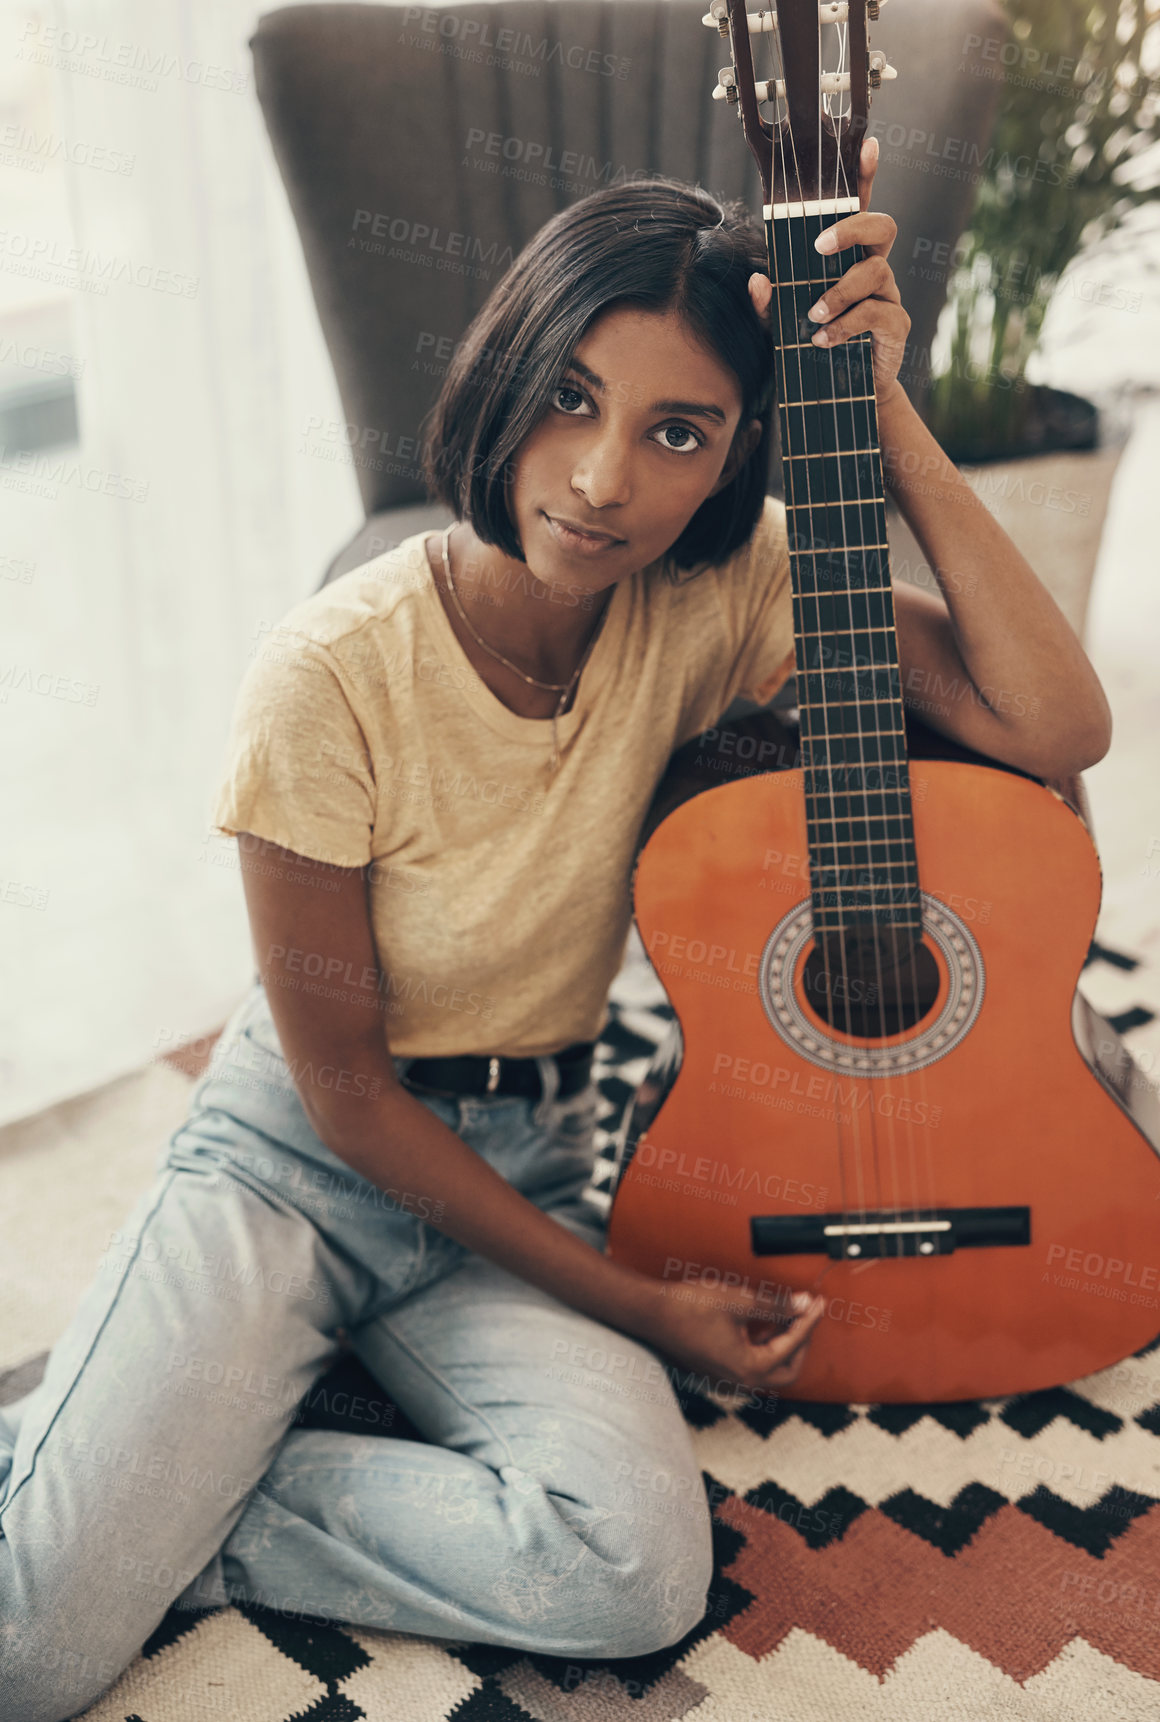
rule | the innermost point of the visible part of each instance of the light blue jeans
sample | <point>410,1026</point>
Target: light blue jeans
<point>558,1506</point>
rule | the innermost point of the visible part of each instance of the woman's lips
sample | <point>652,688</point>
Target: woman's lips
<point>586,543</point>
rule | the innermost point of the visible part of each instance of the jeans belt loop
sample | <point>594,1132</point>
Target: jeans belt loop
<point>550,1081</point>
<point>492,1075</point>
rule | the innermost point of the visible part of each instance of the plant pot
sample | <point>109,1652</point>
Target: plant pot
<point>992,424</point>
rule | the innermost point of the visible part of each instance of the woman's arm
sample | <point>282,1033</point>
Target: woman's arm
<point>300,909</point>
<point>994,663</point>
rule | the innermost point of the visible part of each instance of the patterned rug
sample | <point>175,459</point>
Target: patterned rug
<point>972,1562</point>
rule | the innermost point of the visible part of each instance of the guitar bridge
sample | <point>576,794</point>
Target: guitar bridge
<point>889,1232</point>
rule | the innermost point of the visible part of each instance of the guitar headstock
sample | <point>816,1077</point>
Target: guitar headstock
<point>818,80</point>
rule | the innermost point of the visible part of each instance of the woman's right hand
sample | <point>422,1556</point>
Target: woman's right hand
<point>734,1340</point>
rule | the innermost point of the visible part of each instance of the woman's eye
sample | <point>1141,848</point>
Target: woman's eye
<point>568,399</point>
<point>669,432</point>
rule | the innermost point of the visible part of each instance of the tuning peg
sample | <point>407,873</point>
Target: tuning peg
<point>763,23</point>
<point>726,90</point>
<point>829,83</point>
<point>880,69</point>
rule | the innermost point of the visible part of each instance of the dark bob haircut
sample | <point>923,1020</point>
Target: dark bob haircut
<point>656,244</point>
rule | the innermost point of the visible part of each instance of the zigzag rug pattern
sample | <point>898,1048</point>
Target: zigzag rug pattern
<point>996,1561</point>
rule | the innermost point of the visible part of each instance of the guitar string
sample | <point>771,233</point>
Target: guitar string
<point>815,769</point>
<point>811,772</point>
<point>805,276</point>
<point>827,360</point>
<point>886,941</point>
<point>841,184</point>
<point>820,360</point>
<point>907,1077</point>
<point>778,302</point>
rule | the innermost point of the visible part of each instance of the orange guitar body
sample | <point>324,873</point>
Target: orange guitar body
<point>1010,1115</point>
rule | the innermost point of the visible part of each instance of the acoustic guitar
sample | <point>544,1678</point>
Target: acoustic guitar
<point>882,1082</point>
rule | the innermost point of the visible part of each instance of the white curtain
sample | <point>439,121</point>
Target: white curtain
<point>142,565</point>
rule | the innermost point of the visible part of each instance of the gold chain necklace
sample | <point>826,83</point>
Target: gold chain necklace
<point>561,688</point>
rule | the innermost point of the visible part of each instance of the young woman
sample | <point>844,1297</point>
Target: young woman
<point>438,770</point>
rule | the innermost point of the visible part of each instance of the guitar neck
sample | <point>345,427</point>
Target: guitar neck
<point>862,854</point>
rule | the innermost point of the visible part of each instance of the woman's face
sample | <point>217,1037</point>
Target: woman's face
<point>635,437</point>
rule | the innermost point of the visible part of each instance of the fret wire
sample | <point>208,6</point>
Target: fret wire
<point>861,873</point>
<point>839,549</point>
<point>864,875</point>
<point>834,862</point>
<point>853,910</point>
<point>832,454</point>
<point>839,594</point>
<point>831,796</point>
<point>829,883</point>
<point>894,755</point>
<point>823,400</point>
<point>898,888</point>
<point>868,670</point>
<point>848,819</point>
<point>875,502</point>
<point>844,734</point>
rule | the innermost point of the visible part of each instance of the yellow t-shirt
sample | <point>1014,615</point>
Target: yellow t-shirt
<point>500,893</point>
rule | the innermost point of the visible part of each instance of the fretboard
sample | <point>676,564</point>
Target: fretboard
<point>863,867</point>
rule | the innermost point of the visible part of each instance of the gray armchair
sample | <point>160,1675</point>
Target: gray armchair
<point>422,147</point>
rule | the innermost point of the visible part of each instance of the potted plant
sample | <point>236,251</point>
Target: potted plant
<point>1068,162</point>
<point>1073,155</point>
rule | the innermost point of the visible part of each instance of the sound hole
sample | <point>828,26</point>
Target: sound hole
<point>871,983</point>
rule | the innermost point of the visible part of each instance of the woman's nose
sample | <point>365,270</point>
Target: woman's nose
<point>603,474</point>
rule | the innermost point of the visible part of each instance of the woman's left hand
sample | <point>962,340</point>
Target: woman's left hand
<point>866,297</point>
